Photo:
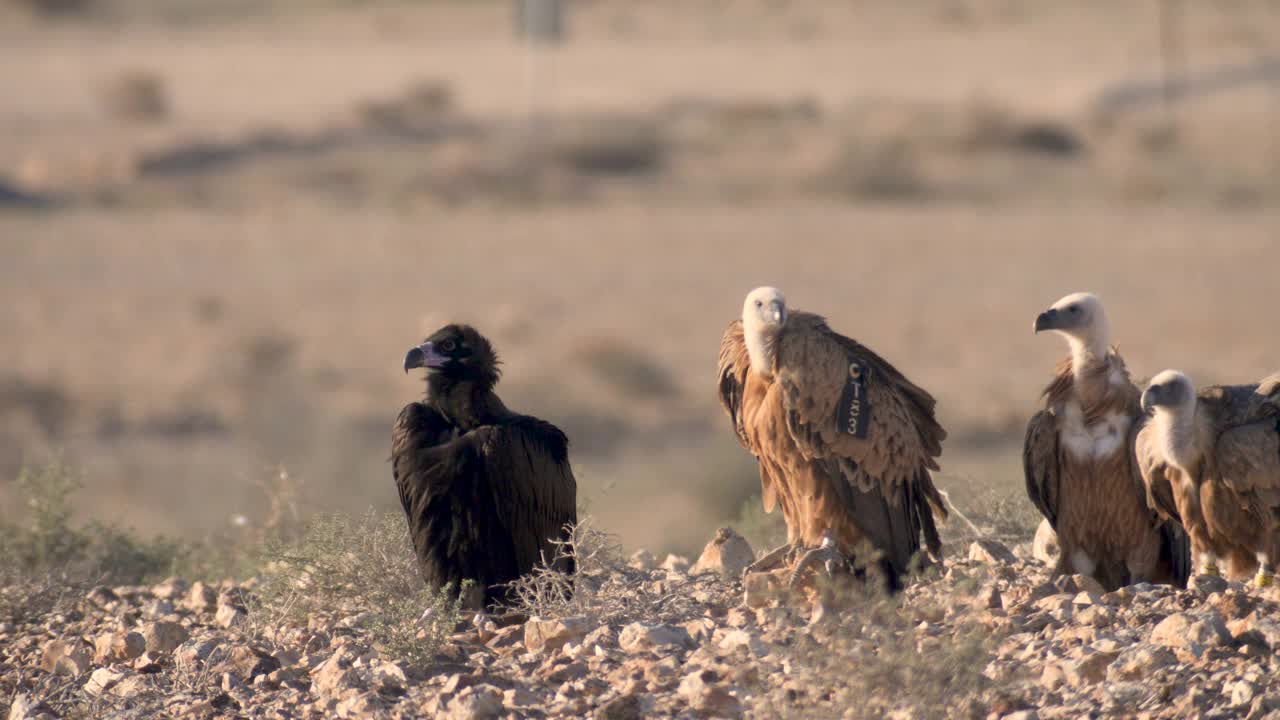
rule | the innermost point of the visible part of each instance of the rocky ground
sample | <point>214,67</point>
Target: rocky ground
<point>986,635</point>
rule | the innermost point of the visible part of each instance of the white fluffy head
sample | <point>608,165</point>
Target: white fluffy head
<point>764,306</point>
<point>1169,390</point>
<point>764,312</point>
<point>1079,317</point>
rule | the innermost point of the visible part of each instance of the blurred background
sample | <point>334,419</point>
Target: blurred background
<point>223,222</point>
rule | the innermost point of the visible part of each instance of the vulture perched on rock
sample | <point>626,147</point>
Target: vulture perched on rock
<point>844,442</point>
<point>1077,464</point>
<point>488,493</point>
<point>1219,453</point>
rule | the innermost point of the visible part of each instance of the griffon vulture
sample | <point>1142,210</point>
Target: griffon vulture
<point>1220,453</point>
<point>1077,466</point>
<point>487,492</point>
<point>844,442</point>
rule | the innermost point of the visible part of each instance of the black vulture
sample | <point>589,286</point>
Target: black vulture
<point>488,493</point>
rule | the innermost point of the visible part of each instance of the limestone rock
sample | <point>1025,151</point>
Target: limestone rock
<point>727,554</point>
<point>703,693</point>
<point>1045,547</point>
<point>102,680</point>
<point>201,598</point>
<point>551,634</point>
<point>991,552</point>
<point>164,636</point>
<point>118,647</point>
<point>640,637</point>
<point>246,662</point>
<point>1193,634</point>
<point>65,657</point>
<point>229,616</point>
<point>1207,584</point>
<point>483,702</point>
<point>1140,662</point>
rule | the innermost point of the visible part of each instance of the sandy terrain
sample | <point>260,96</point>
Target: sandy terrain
<point>179,337</point>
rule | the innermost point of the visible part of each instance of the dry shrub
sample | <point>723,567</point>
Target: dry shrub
<point>609,145</point>
<point>604,588</point>
<point>882,656</point>
<point>361,572</point>
<point>135,95</point>
<point>45,542</point>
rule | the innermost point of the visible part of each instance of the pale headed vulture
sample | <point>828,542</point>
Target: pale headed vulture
<point>487,492</point>
<point>1077,464</point>
<point>1219,451</point>
<point>844,442</point>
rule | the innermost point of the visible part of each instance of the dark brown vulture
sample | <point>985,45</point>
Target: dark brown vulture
<point>487,492</point>
<point>1077,465</point>
<point>844,442</point>
<point>1219,452</point>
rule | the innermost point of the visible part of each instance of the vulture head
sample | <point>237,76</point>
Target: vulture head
<point>1080,318</point>
<point>456,353</point>
<point>764,312</point>
<point>1170,391</point>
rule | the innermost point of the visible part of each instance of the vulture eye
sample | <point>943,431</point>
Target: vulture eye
<point>448,345</point>
<point>1073,309</point>
<point>759,303</point>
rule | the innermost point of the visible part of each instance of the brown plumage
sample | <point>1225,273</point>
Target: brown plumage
<point>1077,465</point>
<point>1218,455</point>
<point>845,458</point>
<point>487,492</point>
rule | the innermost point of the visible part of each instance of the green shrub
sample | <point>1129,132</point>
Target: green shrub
<point>362,569</point>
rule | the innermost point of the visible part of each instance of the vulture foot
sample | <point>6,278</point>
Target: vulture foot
<point>826,553</point>
<point>772,559</point>
<point>1264,579</point>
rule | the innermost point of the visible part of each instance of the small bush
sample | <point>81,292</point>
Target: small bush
<point>45,541</point>
<point>876,656</point>
<point>359,570</point>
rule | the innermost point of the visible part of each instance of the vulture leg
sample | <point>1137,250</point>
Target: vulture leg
<point>772,559</point>
<point>1266,571</point>
<point>1209,564</point>
<point>826,553</point>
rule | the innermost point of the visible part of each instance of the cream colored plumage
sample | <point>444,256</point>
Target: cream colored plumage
<point>1076,460</point>
<point>1219,452</point>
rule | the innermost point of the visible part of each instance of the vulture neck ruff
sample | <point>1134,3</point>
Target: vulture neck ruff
<point>1176,429</point>
<point>762,345</point>
<point>466,401</point>
<point>1090,347</point>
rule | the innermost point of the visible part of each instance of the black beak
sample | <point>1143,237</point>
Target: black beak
<point>1149,401</point>
<point>416,358</point>
<point>1047,320</point>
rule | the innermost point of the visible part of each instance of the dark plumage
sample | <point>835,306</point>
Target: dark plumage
<point>487,492</point>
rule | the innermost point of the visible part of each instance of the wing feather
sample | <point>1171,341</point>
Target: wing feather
<point>535,493</point>
<point>1040,465</point>
<point>902,433</point>
<point>735,363</point>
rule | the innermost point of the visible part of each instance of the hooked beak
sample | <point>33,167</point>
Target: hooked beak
<point>1149,401</point>
<point>1047,320</point>
<point>424,355</point>
<point>777,312</point>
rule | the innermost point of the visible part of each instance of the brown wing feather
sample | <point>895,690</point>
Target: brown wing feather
<point>735,363</point>
<point>1247,459</point>
<point>1040,465</point>
<point>890,466</point>
<point>1149,467</point>
<point>903,435</point>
